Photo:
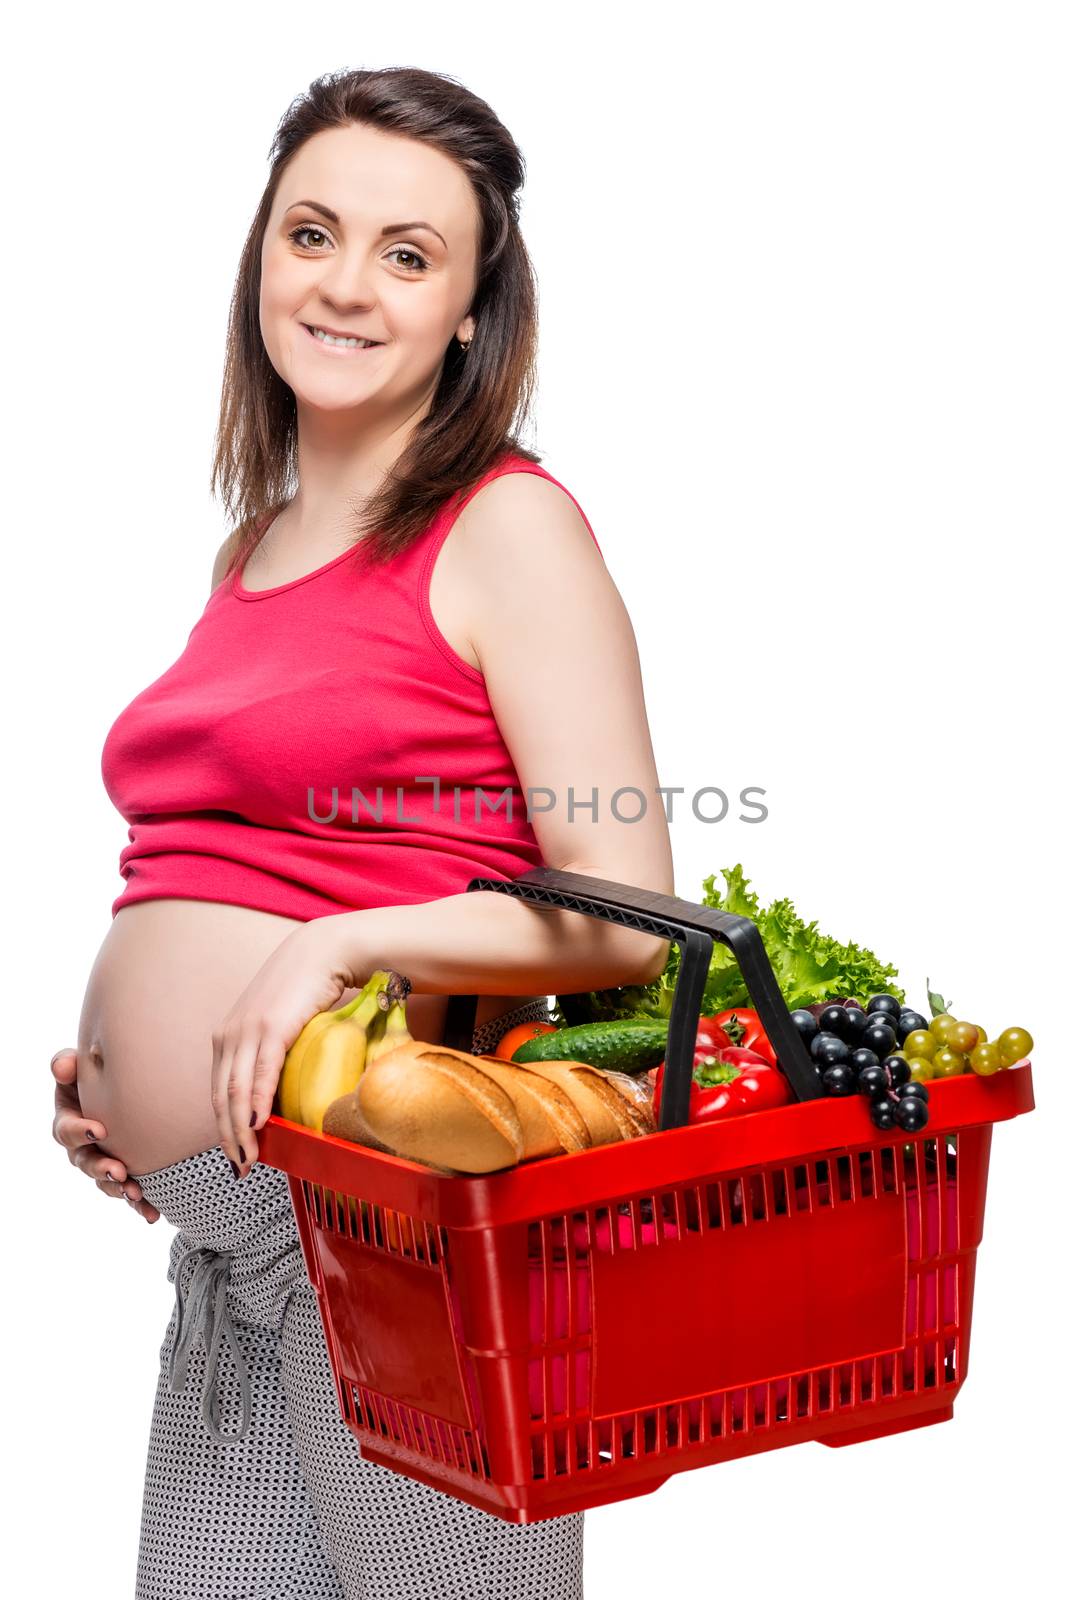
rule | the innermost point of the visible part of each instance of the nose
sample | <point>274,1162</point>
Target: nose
<point>346,283</point>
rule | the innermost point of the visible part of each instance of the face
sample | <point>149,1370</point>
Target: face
<point>328,262</point>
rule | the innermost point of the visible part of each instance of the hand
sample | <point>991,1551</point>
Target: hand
<point>306,974</point>
<point>79,1138</point>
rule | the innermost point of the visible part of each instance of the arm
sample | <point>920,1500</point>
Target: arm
<point>555,644</point>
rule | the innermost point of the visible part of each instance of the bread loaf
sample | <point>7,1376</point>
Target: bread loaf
<point>463,1113</point>
<point>550,1119</point>
<point>344,1120</point>
<point>608,1114</point>
<point>435,1105</point>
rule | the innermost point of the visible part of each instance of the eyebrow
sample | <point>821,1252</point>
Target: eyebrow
<point>332,216</point>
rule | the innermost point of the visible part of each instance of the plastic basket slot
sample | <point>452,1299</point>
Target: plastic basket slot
<point>866,1167</point>
<point>950,1366</point>
<point>741,1410</point>
<point>950,1293</point>
<point>844,1179</point>
<point>673,1426</point>
<point>780,1195</point>
<point>563,1452</point>
<point>867,1381</point>
<point>888,1165</point>
<point>714,1201</point>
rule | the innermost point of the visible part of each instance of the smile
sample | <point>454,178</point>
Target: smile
<point>333,342</point>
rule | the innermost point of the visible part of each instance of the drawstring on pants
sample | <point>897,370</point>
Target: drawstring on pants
<point>208,1315</point>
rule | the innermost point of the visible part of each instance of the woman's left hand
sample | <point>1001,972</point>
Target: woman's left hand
<point>308,973</point>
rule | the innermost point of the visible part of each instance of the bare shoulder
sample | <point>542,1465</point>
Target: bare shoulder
<point>222,560</point>
<point>521,521</point>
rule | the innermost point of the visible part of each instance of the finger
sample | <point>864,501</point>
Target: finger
<point>101,1168</point>
<point>73,1131</point>
<point>268,1070</point>
<point>223,1049</point>
<point>145,1209</point>
<point>64,1064</point>
<point>239,1093</point>
<point>65,1099</point>
<point>112,1187</point>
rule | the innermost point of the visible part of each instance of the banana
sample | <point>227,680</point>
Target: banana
<point>289,1082</point>
<point>334,1060</point>
<point>392,1036</point>
<point>288,1092</point>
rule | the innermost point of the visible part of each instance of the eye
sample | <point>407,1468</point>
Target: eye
<point>398,250</point>
<point>305,227</point>
<point>405,250</point>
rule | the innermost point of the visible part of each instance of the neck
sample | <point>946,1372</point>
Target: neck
<point>342,460</point>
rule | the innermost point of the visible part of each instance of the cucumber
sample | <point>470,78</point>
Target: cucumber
<point>622,1046</point>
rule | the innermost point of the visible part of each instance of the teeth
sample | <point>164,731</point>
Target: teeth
<point>349,344</point>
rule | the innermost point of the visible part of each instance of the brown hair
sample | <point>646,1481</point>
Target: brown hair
<point>483,394</point>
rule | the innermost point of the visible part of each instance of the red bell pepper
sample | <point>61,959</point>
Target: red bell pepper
<point>729,1083</point>
<point>745,1028</point>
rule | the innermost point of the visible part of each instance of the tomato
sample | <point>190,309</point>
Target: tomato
<point>509,1042</point>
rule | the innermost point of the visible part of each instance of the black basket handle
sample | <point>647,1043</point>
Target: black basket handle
<point>694,928</point>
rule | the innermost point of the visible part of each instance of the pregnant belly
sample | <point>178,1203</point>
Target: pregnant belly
<point>166,975</point>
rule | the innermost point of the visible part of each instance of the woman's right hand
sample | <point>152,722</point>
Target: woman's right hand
<point>79,1136</point>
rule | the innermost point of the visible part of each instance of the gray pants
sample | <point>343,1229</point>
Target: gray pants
<point>254,1488</point>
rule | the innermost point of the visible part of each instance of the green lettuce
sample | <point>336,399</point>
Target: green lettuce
<point>809,966</point>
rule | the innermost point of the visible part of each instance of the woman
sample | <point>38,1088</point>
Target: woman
<point>468,637</point>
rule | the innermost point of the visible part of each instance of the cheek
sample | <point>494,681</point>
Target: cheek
<point>424,318</point>
<point>281,296</point>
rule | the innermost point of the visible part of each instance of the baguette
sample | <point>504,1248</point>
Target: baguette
<point>435,1105</point>
<point>461,1113</point>
<point>344,1120</point>
<point>551,1120</point>
<point>609,1114</point>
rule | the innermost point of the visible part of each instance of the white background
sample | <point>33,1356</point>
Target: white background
<point>803,356</point>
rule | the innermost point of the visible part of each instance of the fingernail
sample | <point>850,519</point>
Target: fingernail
<point>235,1167</point>
<point>252,1120</point>
<point>241,1153</point>
<point>90,1138</point>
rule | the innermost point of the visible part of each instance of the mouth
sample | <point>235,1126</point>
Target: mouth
<point>344,344</point>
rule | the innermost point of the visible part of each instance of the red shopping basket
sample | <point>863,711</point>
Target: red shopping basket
<point>575,1330</point>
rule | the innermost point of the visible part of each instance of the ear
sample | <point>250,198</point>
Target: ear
<point>466,331</point>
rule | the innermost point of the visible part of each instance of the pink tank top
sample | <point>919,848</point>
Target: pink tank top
<point>329,686</point>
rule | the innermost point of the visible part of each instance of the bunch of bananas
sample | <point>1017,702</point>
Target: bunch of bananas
<point>333,1049</point>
